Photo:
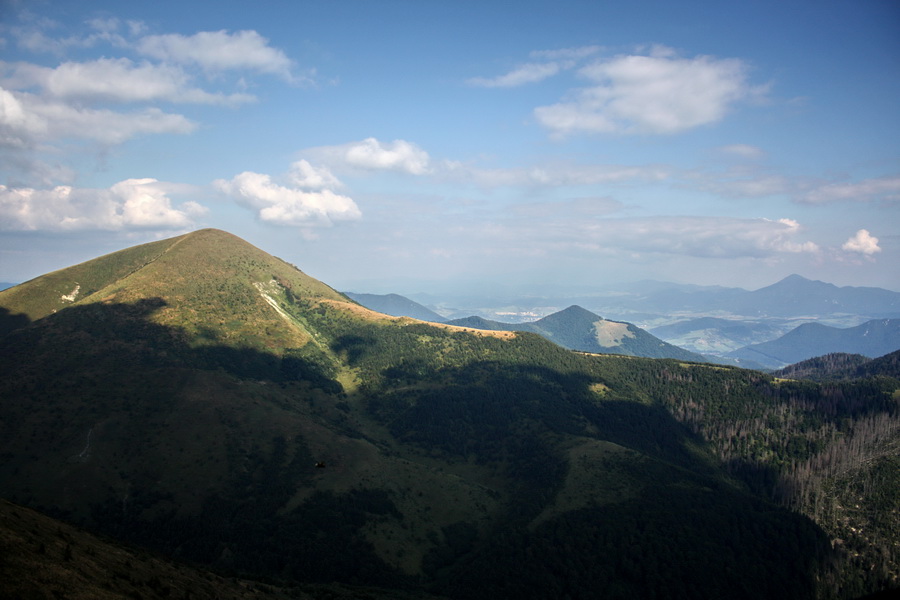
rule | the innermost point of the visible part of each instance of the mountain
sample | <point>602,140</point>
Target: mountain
<point>396,306</point>
<point>202,399</point>
<point>579,329</point>
<point>873,338</point>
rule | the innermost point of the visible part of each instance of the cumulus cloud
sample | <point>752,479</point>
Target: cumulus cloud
<point>306,204</point>
<point>129,204</point>
<point>881,188</point>
<point>216,51</point>
<point>654,93</point>
<point>862,242</point>
<point>371,154</point>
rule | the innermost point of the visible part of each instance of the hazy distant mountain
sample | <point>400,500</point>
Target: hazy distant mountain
<point>654,303</point>
<point>793,296</point>
<point>579,329</point>
<point>872,339</point>
<point>5,284</point>
<point>797,296</point>
<point>714,335</point>
<point>396,305</point>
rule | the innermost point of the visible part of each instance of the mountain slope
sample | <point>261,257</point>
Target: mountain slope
<point>579,329</point>
<point>873,338</point>
<point>219,406</point>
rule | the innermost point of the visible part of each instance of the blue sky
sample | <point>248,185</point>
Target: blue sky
<point>408,147</point>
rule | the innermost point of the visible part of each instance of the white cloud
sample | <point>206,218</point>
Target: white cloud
<point>742,183</point>
<point>554,175</point>
<point>373,155</point>
<point>702,237</point>
<point>292,206</point>
<point>216,51</point>
<point>26,120</point>
<point>712,237</point>
<point>554,61</point>
<point>882,188</point>
<point>743,151</point>
<point>116,80</point>
<point>527,73</point>
<point>566,53</point>
<point>304,175</point>
<point>129,204</point>
<point>47,111</point>
<point>657,93</point>
<point>863,243</point>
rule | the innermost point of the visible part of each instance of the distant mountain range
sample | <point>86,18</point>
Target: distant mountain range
<point>579,329</point>
<point>730,341</point>
<point>871,339</point>
<point>574,328</point>
<point>794,296</point>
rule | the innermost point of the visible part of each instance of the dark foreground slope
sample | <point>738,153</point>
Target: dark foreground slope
<point>219,406</point>
<point>45,558</point>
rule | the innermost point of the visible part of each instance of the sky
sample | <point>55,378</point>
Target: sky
<point>433,146</point>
